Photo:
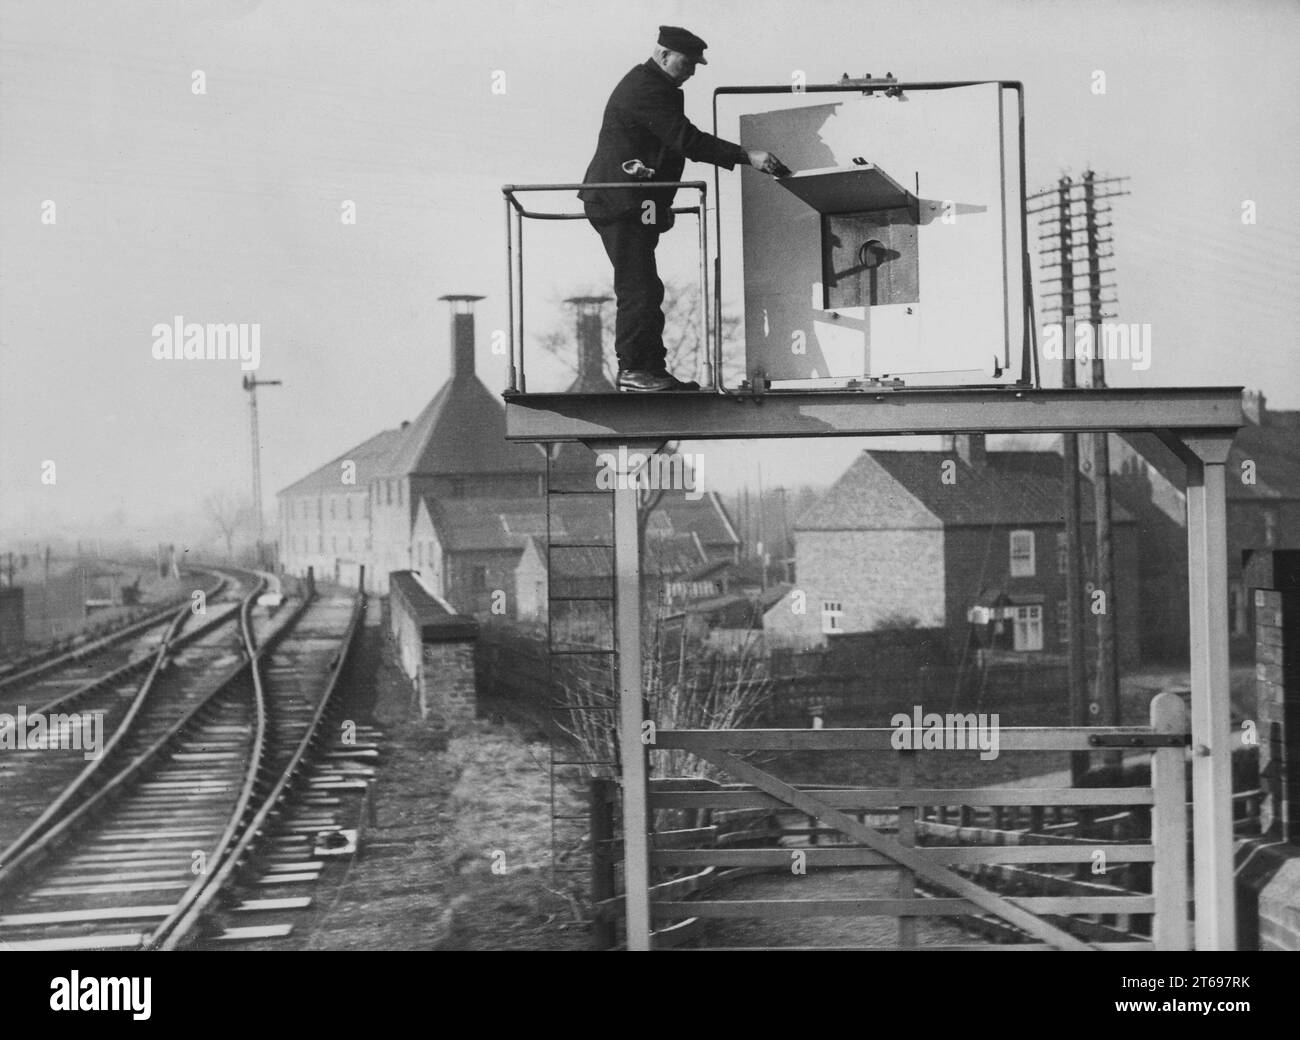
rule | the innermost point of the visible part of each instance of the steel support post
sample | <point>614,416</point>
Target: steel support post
<point>1205,456</point>
<point>627,620</point>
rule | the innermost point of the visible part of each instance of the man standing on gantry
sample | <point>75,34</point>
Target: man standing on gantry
<point>645,136</point>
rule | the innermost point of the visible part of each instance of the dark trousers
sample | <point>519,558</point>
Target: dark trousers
<point>639,322</point>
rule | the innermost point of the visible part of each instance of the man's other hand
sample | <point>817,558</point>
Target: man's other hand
<point>766,162</point>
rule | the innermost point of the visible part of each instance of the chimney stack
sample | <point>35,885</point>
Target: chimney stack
<point>970,449</point>
<point>591,350</point>
<point>462,334</point>
<point>1253,406</point>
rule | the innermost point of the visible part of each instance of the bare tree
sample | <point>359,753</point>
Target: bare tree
<point>685,688</point>
<point>228,513</point>
<point>683,335</point>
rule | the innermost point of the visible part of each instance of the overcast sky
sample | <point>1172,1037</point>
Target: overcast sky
<point>225,206</point>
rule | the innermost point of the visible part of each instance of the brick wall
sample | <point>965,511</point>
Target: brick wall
<point>1268,883</point>
<point>435,647</point>
<point>871,574</point>
<point>980,558</point>
<point>448,680</point>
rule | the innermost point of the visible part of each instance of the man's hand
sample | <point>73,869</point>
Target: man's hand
<point>766,162</point>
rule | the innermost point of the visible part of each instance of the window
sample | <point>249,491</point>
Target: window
<point>832,617</point>
<point>1062,554</point>
<point>1022,554</point>
<point>401,493</point>
<point>331,509</point>
<point>388,492</point>
<point>347,502</point>
<point>1029,628</point>
<point>1238,610</point>
<point>1270,527</point>
<point>477,579</point>
<point>1063,622</point>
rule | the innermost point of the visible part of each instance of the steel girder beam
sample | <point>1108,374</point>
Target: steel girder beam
<point>856,413</point>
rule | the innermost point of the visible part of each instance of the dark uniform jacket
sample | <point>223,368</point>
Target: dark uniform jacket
<point>644,119</point>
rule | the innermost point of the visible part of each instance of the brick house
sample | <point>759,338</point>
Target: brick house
<point>1263,512</point>
<point>962,539</point>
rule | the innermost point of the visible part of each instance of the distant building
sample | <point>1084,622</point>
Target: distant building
<point>966,540</point>
<point>11,621</point>
<point>450,498</point>
<point>1263,512</point>
<point>325,518</point>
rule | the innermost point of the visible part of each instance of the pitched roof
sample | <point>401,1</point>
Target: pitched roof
<point>370,457</point>
<point>1274,450</point>
<point>673,554</point>
<point>705,516</point>
<point>499,524</point>
<point>885,490</point>
<point>462,431</point>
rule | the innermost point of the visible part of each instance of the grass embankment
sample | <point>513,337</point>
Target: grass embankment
<point>440,809</point>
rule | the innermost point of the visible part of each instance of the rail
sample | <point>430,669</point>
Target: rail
<point>516,213</point>
<point>54,833</point>
<point>48,663</point>
<point>157,661</point>
<point>178,926</point>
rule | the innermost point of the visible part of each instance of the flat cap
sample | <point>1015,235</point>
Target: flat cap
<point>675,38</point>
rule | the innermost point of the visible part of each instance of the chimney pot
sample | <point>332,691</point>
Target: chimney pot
<point>462,333</point>
<point>1253,406</point>
<point>591,352</point>
<point>970,448</point>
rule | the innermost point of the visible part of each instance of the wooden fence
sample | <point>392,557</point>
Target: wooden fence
<point>949,858</point>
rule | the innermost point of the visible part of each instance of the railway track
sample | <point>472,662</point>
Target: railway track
<point>217,781</point>
<point>82,729</point>
<point>49,676</point>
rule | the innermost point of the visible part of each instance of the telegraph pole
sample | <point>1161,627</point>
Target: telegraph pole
<point>1076,665</point>
<point>1105,703</point>
<point>1100,705</point>
<point>251,383</point>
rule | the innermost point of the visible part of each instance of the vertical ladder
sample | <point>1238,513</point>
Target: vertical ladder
<point>581,642</point>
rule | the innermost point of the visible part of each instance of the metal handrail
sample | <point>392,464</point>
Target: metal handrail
<point>516,213</point>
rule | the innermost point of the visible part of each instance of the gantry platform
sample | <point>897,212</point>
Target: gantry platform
<point>708,415</point>
<point>1197,423</point>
